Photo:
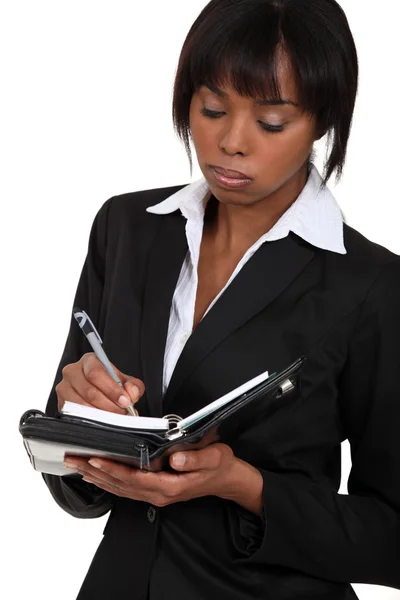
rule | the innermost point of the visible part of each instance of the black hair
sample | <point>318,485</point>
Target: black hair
<point>238,41</point>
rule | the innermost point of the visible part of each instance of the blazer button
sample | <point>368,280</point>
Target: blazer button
<point>151,514</point>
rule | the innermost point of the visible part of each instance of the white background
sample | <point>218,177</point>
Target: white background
<point>86,90</point>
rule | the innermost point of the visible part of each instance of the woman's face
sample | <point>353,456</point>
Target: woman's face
<point>235,139</point>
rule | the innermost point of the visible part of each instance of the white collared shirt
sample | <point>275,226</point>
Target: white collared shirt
<point>315,216</point>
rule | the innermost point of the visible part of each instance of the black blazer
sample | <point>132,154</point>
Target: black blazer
<point>343,313</point>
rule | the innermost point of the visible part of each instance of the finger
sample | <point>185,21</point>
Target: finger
<point>114,470</point>
<point>146,480</point>
<point>109,468</point>
<point>102,392</point>
<point>101,477</point>
<point>73,463</point>
<point>82,392</point>
<point>119,490</point>
<point>104,485</point>
<point>131,383</point>
<point>82,465</point>
<point>163,488</point>
<point>75,387</point>
<point>195,460</point>
<point>132,390</point>
<point>67,392</point>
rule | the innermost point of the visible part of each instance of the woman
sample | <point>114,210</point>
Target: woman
<point>197,288</point>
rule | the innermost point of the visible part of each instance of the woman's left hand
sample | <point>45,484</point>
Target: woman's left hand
<point>210,471</point>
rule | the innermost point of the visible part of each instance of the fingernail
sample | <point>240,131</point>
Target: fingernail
<point>124,402</point>
<point>179,460</point>
<point>70,466</point>
<point>95,463</point>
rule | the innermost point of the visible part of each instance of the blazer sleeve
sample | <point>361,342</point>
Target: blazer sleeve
<point>353,538</point>
<point>79,498</point>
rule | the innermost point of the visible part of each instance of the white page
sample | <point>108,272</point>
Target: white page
<point>213,406</point>
<point>96,414</point>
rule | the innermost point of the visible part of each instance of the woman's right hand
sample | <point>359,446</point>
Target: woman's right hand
<point>87,382</point>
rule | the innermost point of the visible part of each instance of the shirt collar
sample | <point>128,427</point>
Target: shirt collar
<point>315,215</point>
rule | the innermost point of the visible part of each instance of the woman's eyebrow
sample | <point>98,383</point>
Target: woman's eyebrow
<point>262,102</point>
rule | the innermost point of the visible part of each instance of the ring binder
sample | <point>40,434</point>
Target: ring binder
<point>174,433</point>
<point>173,419</point>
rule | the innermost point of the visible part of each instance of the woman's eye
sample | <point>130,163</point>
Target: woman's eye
<point>215,115</point>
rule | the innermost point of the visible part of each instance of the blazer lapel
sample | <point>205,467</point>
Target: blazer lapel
<point>268,272</point>
<point>165,262</point>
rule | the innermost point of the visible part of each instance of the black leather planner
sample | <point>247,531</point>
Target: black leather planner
<point>48,439</point>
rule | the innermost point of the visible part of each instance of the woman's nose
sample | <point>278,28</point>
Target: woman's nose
<point>235,139</point>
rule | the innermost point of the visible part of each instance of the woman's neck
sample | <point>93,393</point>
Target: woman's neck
<point>234,228</point>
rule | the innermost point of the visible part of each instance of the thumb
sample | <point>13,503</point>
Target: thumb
<point>194,460</point>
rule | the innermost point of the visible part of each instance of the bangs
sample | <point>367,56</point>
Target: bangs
<point>246,57</point>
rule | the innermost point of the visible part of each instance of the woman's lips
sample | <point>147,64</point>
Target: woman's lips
<point>230,174</point>
<point>230,182</point>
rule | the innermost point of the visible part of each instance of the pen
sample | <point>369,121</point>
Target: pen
<point>94,339</point>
